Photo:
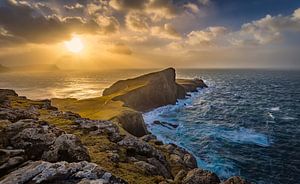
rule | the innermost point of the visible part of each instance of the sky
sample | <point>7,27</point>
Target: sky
<point>109,34</point>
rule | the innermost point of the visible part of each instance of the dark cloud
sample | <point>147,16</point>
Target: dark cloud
<point>128,4</point>
<point>30,23</point>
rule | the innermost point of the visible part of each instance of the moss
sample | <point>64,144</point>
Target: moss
<point>23,103</point>
<point>95,108</point>
<point>99,147</point>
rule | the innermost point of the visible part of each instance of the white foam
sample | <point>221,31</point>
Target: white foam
<point>275,108</point>
<point>244,135</point>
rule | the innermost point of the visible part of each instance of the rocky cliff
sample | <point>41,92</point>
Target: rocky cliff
<point>107,142</point>
<point>152,90</point>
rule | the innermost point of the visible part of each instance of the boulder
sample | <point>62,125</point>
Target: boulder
<point>67,147</point>
<point>199,176</point>
<point>99,127</point>
<point>61,172</point>
<point>161,169</point>
<point>147,168</point>
<point>133,122</point>
<point>134,146</point>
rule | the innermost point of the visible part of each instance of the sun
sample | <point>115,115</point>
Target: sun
<point>74,45</point>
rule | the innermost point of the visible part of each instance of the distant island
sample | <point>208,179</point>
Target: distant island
<point>97,140</point>
<point>30,68</point>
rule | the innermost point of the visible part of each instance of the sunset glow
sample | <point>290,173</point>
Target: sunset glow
<point>74,45</point>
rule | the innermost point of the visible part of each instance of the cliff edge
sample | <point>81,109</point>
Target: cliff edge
<point>152,90</point>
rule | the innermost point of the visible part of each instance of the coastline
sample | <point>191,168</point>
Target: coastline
<point>157,162</point>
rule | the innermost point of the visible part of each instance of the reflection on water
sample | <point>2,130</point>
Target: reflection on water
<point>62,84</point>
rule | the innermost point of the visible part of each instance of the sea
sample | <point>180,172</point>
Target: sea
<point>246,123</point>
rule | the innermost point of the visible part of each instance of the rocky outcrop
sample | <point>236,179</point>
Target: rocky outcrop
<point>148,91</point>
<point>191,85</point>
<point>61,172</point>
<point>197,176</point>
<point>133,122</point>
<point>62,144</point>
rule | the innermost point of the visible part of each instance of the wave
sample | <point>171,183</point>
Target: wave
<point>245,136</point>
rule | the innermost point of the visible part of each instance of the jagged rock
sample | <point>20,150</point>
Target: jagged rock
<point>148,91</point>
<point>148,137</point>
<point>165,124</point>
<point>236,180</point>
<point>180,158</point>
<point>147,168</point>
<point>190,161</point>
<point>66,147</point>
<point>10,159</point>
<point>33,136</point>
<point>61,172</point>
<point>179,176</point>
<point>199,176</point>
<point>135,146</point>
<point>161,169</point>
<point>98,127</point>
<point>14,115</point>
<point>191,85</point>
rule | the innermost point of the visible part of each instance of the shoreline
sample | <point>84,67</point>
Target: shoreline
<point>121,146</point>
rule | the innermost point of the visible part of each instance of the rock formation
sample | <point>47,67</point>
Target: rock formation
<point>41,144</point>
<point>152,90</point>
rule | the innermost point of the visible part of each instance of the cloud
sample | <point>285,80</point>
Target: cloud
<point>108,24</point>
<point>206,37</point>
<point>128,4</point>
<point>267,29</point>
<point>137,22</point>
<point>27,21</point>
<point>296,14</point>
<point>166,31</point>
<point>192,7</point>
<point>120,48</point>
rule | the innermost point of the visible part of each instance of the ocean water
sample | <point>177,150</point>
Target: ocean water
<point>246,123</point>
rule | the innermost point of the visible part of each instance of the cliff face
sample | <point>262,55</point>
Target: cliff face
<point>152,90</point>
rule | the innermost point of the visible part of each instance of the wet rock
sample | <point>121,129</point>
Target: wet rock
<point>190,161</point>
<point>236,180</point>
<point>67,147</point>
<point>61,172</point>
<point>199,176</point>
<point>191,85</point>
<point>148,137</point>
<point>165,124</point>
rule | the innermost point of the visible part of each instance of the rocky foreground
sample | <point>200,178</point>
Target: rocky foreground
<point>42,144</point>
